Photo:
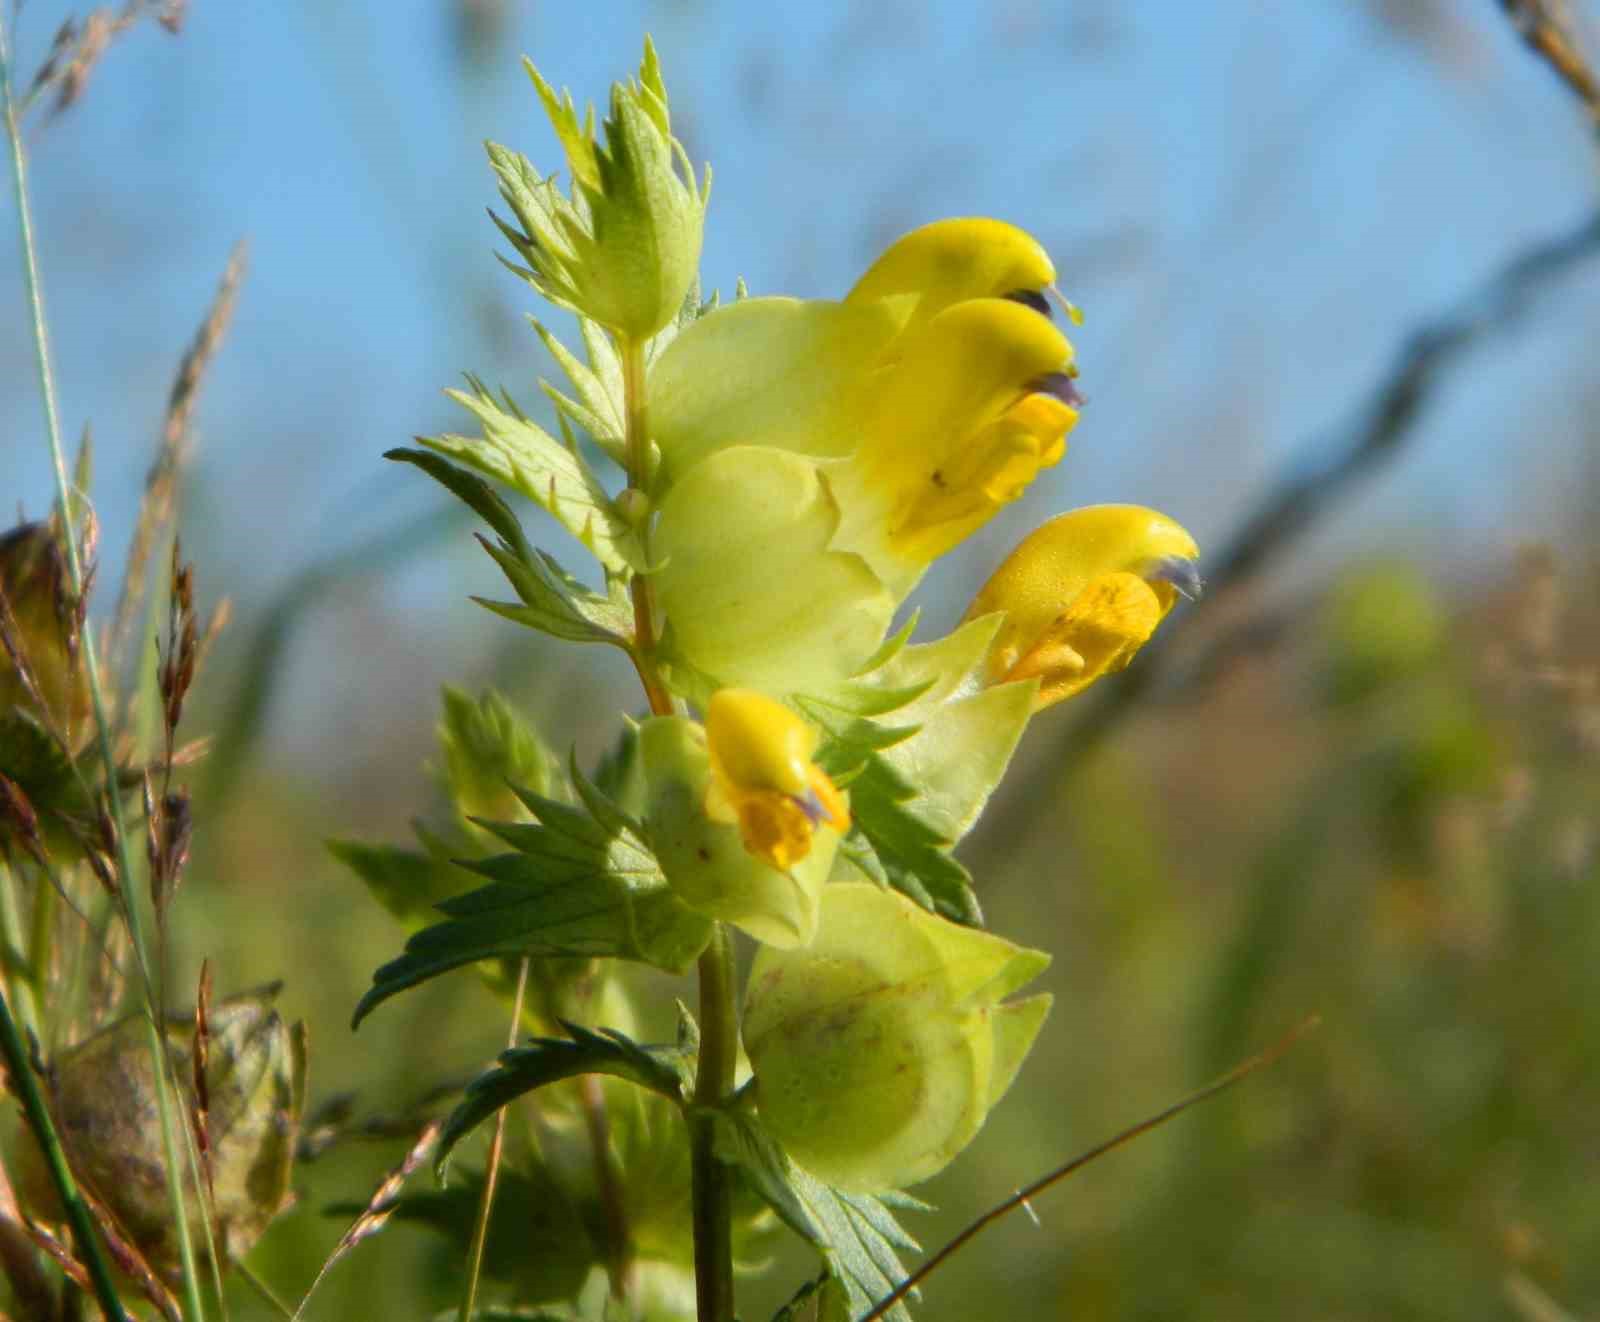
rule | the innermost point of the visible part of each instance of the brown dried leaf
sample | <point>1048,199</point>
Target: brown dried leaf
<point>201,1060</point>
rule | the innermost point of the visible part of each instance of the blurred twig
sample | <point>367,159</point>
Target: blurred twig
<point>1545,26</point>
<point>1330,465</point>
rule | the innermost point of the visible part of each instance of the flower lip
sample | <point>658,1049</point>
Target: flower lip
<point>1058,385</point>
<point>1031,298</point>
<point>1180,571</point>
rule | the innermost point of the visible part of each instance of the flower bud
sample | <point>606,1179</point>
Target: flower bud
<point>625,249</point>
<point>103,1094</point>
<point>879,1050</point>
<point>1082,594</point>
<point>742,822</point>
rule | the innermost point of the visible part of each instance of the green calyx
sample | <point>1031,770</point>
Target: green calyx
<point>879,1050</point>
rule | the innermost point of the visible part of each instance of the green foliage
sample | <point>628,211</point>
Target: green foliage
<point>625,249</point>
<point>409,884</point>
<point>520,454</point>
<point>890,840</point>
<point>488,748</point>
<point>856,1234</point>
<point>552,600</point>
<point>538,1243</point>
<point>582,881</point>
<point>665,1070</point>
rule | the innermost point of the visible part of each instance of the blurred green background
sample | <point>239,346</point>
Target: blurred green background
<point>1360,780</point>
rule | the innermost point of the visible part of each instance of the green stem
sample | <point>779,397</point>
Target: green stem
<point>637,423</point>
<point>713,1085</point>
<point>84,1230</point>
<point>712,1213</point>
<point>23,976</point>
<point>41,344</point>
<point>42,933</point>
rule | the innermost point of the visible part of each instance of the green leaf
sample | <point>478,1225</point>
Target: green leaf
<point>410,885</point>
<point>911,851</point>
<point>822,1300</point>
<point>857,1235</point>
<point>472,491</point>
<point>665,1070</point>
<point>620,775</point>
<point>523,456</point>
<point>580,882</point>
<point>552,600</point>
<point>598,407</point>
<point>960,753</point>
<point>556,603</point>
<point>537,1241</point>
<point>487,748</point>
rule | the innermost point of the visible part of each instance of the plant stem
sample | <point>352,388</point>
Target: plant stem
<point>713,1085</point>
<point>638,454</point>
<point>22,958</point>
<point>158,1053</point>
<point>491,1175</point>
<point>83,1228</point>
<point>712,1213</point>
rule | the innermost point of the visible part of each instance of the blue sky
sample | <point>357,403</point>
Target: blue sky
<point>1251,201</point>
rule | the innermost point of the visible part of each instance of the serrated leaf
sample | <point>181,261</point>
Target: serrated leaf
<point>620,775</point>
<point>487,745</point>
<point>911,851</point>
<point>857,1235</point>
<point>580,882</point>
<point>552,600</point>
<point>472,491</point>
<point>517,452</point>
<point>409,884</point>
<point>544,1060</point>
<point>598,405</point>
<point>822,1300</point>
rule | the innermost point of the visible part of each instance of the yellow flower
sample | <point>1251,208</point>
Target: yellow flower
<point>1082,594</point>
<point>763,779</point>
<point>744,824</point>
<point>816,456</point>
<point>980,399</point>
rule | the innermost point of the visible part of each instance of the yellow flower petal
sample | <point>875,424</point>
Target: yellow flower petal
<point>951,261</point>
<point>763,779</point>
<point>978,402</point>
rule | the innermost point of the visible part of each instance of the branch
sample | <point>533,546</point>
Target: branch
<point>1328,467</point>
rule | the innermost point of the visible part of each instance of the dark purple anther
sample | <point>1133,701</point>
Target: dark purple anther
<point>1031,298</point>
<point>1060,386</point>
<point>1181,572</point>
